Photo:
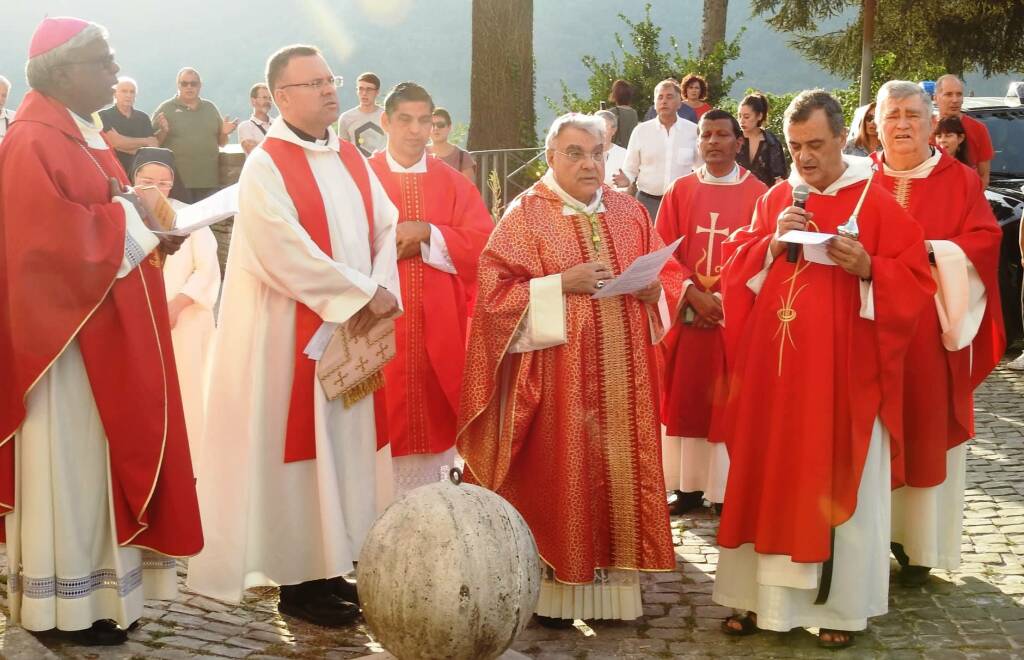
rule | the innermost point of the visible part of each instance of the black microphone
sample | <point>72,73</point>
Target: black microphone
<point>800,195</point>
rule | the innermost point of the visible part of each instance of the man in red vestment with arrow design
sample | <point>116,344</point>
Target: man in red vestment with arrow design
<point>959,339</point>
<point>442,228</point>
<point>96,482</point>
<point>289,478</point>
<point>705,207</point>
<point>816,339</point>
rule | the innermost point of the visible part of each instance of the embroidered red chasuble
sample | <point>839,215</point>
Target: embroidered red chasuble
<point>61,244</point>
<point>704,213</point>
<point>809,375</point>
<point>423,381</point>
<point>949,205</point>
<point>570,434</point>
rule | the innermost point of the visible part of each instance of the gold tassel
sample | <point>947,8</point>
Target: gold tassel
<point>363,389</point>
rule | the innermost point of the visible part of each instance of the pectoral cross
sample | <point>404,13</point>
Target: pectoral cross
<point>706,278</point>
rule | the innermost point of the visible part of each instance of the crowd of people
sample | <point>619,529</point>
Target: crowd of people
<point>804,360</point>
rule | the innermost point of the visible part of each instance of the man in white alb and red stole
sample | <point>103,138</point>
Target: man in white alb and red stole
<point>704,207</point>
<point>959,338</point>
<point>288,479</point>
<point>559,411</point>
<point>96,484</point>
<point>816,339</point>
<point>442,228</point>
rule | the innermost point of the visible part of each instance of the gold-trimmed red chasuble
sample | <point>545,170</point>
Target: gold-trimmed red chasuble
<point>570,434</point>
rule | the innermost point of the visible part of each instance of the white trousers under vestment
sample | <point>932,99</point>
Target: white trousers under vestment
<point>694,464</point>
<point>65,568</point>
<point>417,470</point>
<point>929,522</point>
<point>782,593</point>
<point>614,594</point>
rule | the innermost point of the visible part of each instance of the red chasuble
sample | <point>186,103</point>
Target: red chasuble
<point>62,241</point>
<point>705,213</point>
<point>423,381</point>
<point>938,412</point>
<point>809,375</point>
<point>570,434</point>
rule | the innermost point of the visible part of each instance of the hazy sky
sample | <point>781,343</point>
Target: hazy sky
<point>424,40</point>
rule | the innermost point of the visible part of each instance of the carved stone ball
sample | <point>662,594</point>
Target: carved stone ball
<point>449,571</point>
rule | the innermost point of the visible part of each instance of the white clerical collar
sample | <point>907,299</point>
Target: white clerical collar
<point>279,129</point>
<point>419,167</point>
<point>708,177</point>
<point>858,169</point>
<point>90,129</point>
<point>922,171</point>
<point>571,205</point>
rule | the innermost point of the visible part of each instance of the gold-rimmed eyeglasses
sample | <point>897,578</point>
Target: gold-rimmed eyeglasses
<point>318,84</point>
<point>576,156</point>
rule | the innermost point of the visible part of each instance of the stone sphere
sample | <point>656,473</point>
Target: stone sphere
<point>449,571</point>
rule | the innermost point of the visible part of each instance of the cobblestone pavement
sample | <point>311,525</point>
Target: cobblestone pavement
<point>976,612</point>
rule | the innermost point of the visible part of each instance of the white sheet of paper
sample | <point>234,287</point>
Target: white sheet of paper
<point>644,270</point>
<point>815,245</point>
<point>218,206</point>
<point>318,342</point>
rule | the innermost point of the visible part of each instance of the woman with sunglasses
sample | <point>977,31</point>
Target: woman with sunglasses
<point>439,146</point>
<point>863,139</point>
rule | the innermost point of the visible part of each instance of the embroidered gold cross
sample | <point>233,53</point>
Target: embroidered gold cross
<point>706,278</point>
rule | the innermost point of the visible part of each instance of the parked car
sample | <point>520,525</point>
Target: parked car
<point>1004,118</point>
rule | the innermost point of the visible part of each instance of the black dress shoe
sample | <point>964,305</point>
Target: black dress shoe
<point>325,610</point>
<point>684,502</point>
<point>104,632</point>
<point>345,590</point>
<point>553,622</point>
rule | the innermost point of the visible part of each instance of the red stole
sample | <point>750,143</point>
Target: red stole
<point>290,159</point>
<point>808,375</point>
<point>62,244</point>
<point>949,205</point>
<point>705,213</point>
<point>425,378</point>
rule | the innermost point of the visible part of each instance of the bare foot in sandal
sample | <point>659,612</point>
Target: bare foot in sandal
<point>741,624</point>
<point>834,639</point>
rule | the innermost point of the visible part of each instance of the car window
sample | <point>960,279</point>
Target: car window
<point>1006,128</point>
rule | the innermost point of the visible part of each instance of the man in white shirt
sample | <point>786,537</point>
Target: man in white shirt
<point>361,124</point>
<point>6,114</point>
<point>252,131</point>
<point>660,150</point>
<point>614,155</point>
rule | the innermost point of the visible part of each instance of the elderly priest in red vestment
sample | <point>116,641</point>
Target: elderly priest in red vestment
<point>817,339</point>
<point>96,482</point>
<point>442,228</point>
<point>559,410</point>
<point>704,207</point>
<point>959,337</point>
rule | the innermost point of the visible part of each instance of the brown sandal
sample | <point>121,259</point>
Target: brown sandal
<point>748,625</point>
<point>834,643</point>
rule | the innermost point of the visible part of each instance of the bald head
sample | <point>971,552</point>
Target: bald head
<point>949,95</point>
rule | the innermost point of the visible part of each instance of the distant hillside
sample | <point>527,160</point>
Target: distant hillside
<point>423,40</point>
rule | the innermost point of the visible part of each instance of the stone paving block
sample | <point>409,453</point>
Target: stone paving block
<point>183,642</point>
<point>228,651</point>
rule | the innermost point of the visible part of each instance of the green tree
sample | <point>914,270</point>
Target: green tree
<point>922,36</point>
<point>645,64</point>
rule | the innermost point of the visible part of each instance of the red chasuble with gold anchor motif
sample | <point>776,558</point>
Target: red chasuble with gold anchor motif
<point>705,212</point>
<point>811,370</point>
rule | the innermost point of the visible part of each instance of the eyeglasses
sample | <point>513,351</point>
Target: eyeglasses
<point>439,125</point>
<point>576,156</point>
<point>318,84</point>
<point>189,83</point>
<point>147,183</point>
<point>869,118</point>
<point>105,62</point>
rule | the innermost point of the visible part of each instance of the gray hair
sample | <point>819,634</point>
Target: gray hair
<point>39,70</point>
<point>589,123</point>
<point>899,90</point>
<point>943,78</point>
<point>187,69</point>
<point>608,115</point>
<point>127,79</point>
<point>809,100</point>
<point>5,82</point>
